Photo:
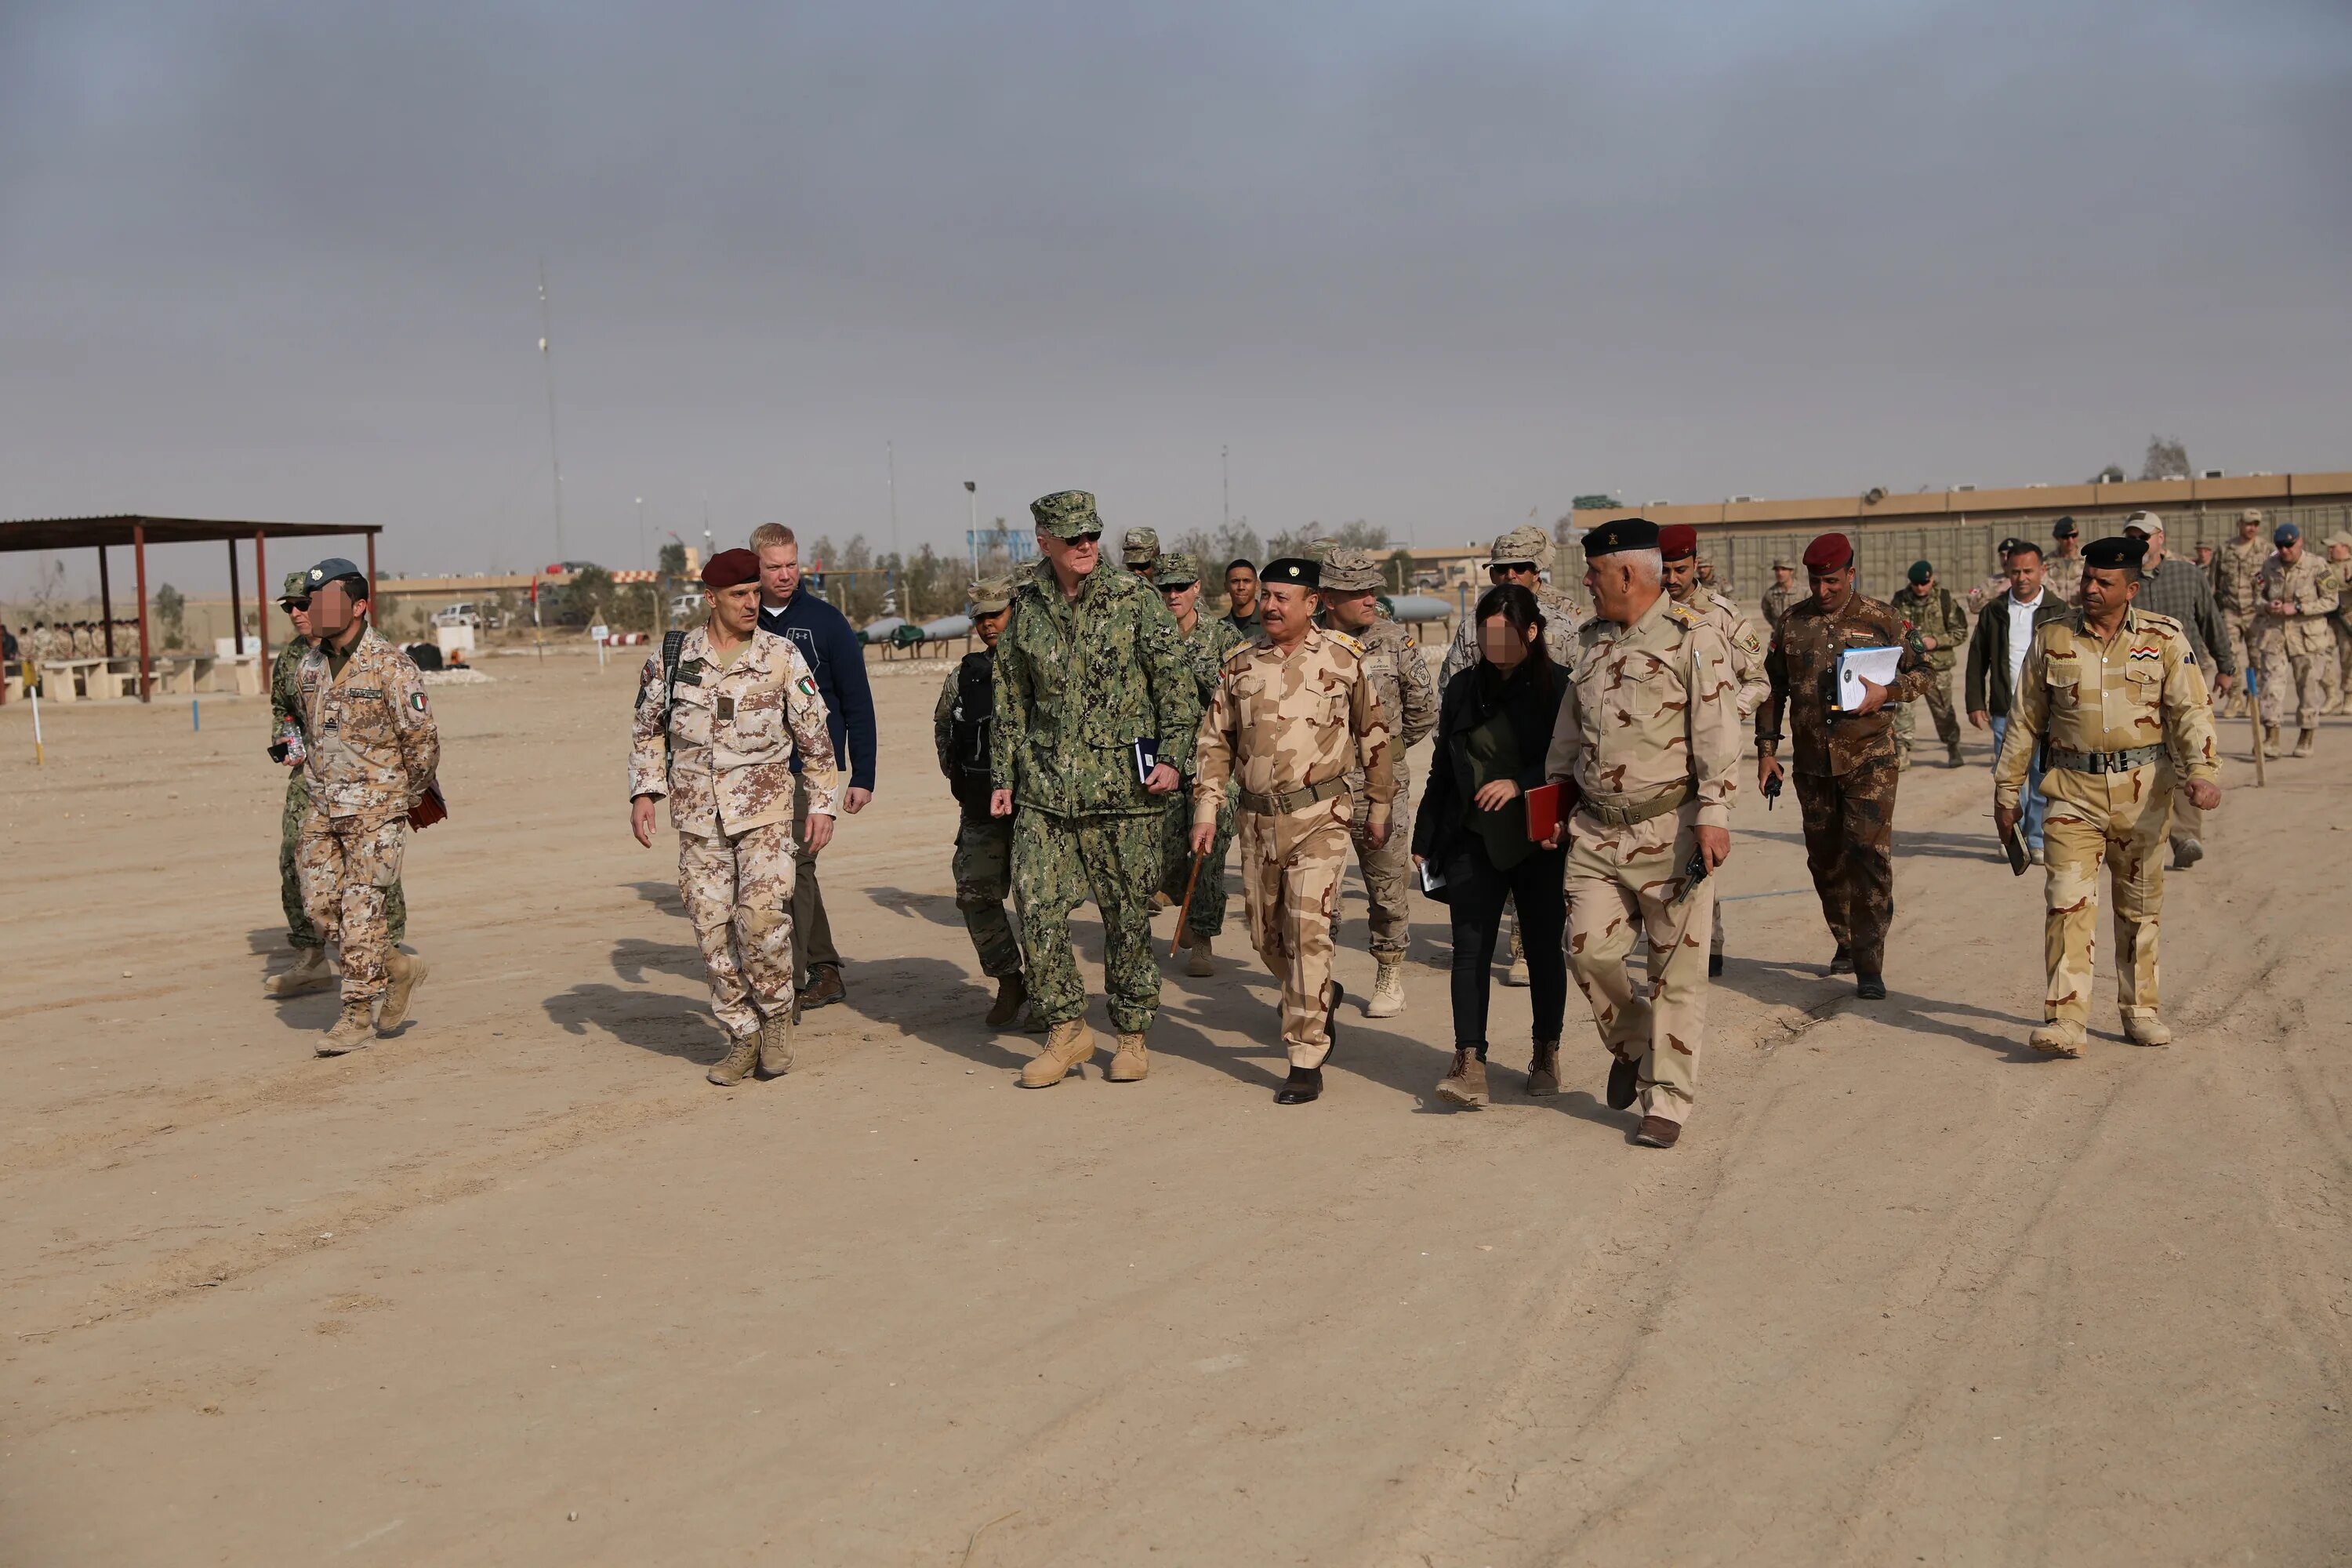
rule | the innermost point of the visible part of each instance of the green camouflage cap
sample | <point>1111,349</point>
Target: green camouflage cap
<point>991,594</point>
<point>297,586</point>
<point>1177,569</point>
<point>1139,546</point>
<point>1065,514</point>
<point>1527,545</point>
<point>1347,569</point>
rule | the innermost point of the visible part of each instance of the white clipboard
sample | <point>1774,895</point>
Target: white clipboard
<point>1879,666</point>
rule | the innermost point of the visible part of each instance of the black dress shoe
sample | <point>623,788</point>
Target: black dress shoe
<point>1303,1085</point>
<point>1841,962</point>
<point>1622,1084</point>
<point>1715,966</point>
<point>1870,988</point>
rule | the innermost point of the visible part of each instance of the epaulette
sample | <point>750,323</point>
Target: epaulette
<point>1682,615</point>
<point>2170,624</point>
<point>1239,656</point>
<point>1345,639</point>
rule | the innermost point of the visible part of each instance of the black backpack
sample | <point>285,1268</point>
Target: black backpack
<point>971,731</point>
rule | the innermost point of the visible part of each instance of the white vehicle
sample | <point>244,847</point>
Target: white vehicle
<point>685,608</point>
<point>469,615</point>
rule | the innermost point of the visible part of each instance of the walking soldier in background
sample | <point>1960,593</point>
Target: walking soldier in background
<point>2116,696</point>
<point>2061,573</point>
<point>1678,553</point>
<point>288,745</point>
<point>1646,744</point>
<point>1095,713</point>
<point>721,716</point>
<point>1293,718</point>
<point>1783,594</point>
<point>1844,760</point>
<point>370,751</point>
<point>2180,590</point>
<point>963,725</point>
<point>2339,574</point>
<point>1139,551</point>
<point>2236,566</point>
<point>1941,628</point>
<point>1349,589</point>
<point>2294,593</point>
<point>1207,641</point>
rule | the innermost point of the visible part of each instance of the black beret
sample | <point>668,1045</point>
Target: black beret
<point>1291,569</point>
<point>2107,553</point>
<point>1620,533</point>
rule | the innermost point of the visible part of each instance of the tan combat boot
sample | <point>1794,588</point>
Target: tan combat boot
<point>1543,1073</point>
<point>1388,990</point>
<point>404,974</point>
<point>2270,739</point>
<point>1466,1085</point>
<point>2057,1040</point>
<point>1199,962</point>
<point>741,1055</point>
<point>2143,1027</point>
<point>353,1032</point>
<point>309,973</point>
<point>1067,1045</point>
<point>1130,1063</point>
<point>2304,740</point>
<point>776,1046</point>
<point>1011,992</point>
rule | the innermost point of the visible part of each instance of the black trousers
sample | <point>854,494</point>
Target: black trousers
<point>1476,892</point>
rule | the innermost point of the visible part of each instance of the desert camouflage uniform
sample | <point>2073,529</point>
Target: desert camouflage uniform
<point>1291,727</point>
<point>2339,577</point>
<point>1398,673</point>
<point>2141,689</point>
<point>1935,614</point>
<point>2237,566</point>
<point>372,749</point>
<point>2062,575</point>
<point>1079,682</point>
<point>1747,646</point>
<point>1844,767</point>
<point>1649,732</point>
<point>723,756</point>
<point>1205,650</point>
<point>286,713</point>
<point>983,866</point>
<point>1561,616</point>
<point>1778,601</point>
<point>2297,651</point>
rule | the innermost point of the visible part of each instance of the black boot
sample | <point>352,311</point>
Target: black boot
<point>1303,1084</point>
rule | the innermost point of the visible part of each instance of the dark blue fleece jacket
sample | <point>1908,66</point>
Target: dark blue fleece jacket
<point>837,659</point>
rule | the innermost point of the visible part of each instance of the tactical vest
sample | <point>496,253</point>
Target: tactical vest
<point>971,731</point>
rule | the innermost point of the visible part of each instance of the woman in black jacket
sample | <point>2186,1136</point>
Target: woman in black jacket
<point>1494,726</point>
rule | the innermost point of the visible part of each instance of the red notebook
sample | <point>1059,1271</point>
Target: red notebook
<point>1543,812</point>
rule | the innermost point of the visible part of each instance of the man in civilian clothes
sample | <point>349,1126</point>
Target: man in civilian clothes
<point>1997,653</point>
<point>837,660</point>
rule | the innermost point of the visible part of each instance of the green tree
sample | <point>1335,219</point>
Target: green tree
<point>172,611</point>
<point>581,602</point>
<point>2167,459</point>
<point>1598,501</point>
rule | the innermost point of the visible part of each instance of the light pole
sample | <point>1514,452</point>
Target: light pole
<point>972,534</point>
<point>1225,472</point>
<point>645,562</point>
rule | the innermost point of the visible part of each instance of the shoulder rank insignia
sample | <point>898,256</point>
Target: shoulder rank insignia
<point>1344,640</point>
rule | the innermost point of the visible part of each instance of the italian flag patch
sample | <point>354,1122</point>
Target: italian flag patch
<point>416,701</point>
<point>807,684</point>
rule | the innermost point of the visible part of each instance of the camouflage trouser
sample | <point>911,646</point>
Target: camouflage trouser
<point>1057,861</point>
<point>300,929</point>
<point>1388,873</point>
<point>2128,834</point>
<point>2240,629</point>
<point>1850,850</point>
<point>2343,689</point>
<point>1939,708</point>
<point>738,895</point>
<point>2295,673</point>
<point>349,865</point>
<point>1622,880</point>
<point>983,880</point>
<point>1207,916</point>
<point>1291,867</point>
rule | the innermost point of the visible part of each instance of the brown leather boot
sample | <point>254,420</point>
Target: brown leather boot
<point>825,986</point>
<point>741,1054</point>
<point>1657,1132</point>
<point>1466,1085</point>
<point>1011,992</point>
<point>1130,1063</point>
<point>1067,1046</point>
<point>1543,1073</point>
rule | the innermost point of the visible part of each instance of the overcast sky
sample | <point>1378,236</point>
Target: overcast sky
<point>1430,266</point>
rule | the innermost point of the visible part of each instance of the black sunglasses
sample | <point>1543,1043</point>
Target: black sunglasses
<point>1084,538</point>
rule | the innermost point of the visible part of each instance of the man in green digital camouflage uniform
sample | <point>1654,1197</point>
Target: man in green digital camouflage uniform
<point>288,745</point>
<point>1091,686</point>
<point>961,723</point>
<point>1207,640</point>
<point>1942,627</point>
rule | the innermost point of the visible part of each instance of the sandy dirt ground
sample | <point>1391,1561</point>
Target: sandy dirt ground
<point>518,1287</point>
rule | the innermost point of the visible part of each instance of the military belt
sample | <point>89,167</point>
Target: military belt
<point>1292,800</point>
<point>2103,762</point>
<point>1627,816</point>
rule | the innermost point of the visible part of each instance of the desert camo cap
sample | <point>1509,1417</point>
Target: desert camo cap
<point>1349,570</point>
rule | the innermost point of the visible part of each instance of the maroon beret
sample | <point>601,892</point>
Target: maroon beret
<point>1829,552</point>
<point>731,568</point>
<point>1677,540</point>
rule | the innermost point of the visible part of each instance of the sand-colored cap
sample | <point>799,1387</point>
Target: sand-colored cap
<point>1525,545</point>
<point>1782,563</point>
<point>1347,570</point>
<point>2251,514</point>
<point>991,594</point>
<point>1065,514</point>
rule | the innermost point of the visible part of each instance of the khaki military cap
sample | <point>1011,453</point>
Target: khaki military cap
<point>2338,538</point>
<point>1066,514</point>
<point>1527,545</point>
<point>1139,546</point>
<point>1782,563</point>
<point>991,594</point>
<point>1347,569</point>
<point>1177,569</point>
<point>2251,514</point>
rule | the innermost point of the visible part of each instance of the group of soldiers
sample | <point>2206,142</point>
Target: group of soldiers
<point>79,639</point>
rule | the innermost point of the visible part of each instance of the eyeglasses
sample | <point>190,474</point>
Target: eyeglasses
<point>1077,538</point>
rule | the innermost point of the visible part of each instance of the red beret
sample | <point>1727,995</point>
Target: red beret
<point>731,568</point>
<point>1677,540</point>
<point>1829,552</point>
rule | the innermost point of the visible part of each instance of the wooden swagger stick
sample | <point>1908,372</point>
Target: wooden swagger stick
<point>1176,942</point>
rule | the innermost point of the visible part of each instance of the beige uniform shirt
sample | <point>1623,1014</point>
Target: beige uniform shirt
<point>731,735</point>
<point>1721,612</point>
<point>2063,577</point>
<point>1280,722</point>
<point>1562,615</point>
<point>2310,586</point>
<point>2236,565</point>
<point>1651,708</point>
<point>2140,688</point>
<point>373,747</point>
